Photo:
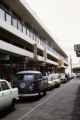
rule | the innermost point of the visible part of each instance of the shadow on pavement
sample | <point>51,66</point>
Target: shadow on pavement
<point>5,113</point>
<point>76,110</point>
<point>23,100</point>
<point>29,99</point>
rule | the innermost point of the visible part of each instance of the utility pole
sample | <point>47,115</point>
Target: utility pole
<point>70,64</point>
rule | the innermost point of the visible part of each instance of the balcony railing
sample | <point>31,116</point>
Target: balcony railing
<point>13,21</point>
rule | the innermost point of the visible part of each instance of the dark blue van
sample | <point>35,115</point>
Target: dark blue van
<point>30,83</point>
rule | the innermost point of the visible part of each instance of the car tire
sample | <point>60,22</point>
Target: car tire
<point>39,94</point>
<point>44,92</point>
<point>12,107</point>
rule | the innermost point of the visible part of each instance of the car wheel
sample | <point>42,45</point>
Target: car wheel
<point>44,92</point>
<point>39,94</point>
<point>12,107</point>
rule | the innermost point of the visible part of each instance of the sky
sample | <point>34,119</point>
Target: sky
<point>62,18</point>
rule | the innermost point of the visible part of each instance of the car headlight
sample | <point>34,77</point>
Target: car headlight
<point>31,88</point>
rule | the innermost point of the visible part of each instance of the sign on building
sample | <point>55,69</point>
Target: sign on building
<point>60,63</point>
<point>78,53</point>
<point>45,54</point>
<point>35,51</point>
<point>77,47</point>
<point>43,64</point>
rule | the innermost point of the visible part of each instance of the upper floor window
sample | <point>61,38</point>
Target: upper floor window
<point>14,22</point>
<point>24,30</point>
<point>2,14</point>
<point>8,18</point>
<point>19,26</point>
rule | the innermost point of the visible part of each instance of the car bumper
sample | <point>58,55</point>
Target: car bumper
<point>26,95</point>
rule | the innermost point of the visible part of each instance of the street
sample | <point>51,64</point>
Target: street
<point>59,104</point>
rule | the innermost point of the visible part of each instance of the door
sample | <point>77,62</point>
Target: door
<point>5,99</point>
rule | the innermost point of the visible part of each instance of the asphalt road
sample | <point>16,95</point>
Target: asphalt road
<point>62,103</point>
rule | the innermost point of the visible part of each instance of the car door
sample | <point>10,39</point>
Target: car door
<point>5,94</point>
<point>1,98</point>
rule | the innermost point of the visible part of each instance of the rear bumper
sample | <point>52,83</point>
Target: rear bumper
<point>26,95</point>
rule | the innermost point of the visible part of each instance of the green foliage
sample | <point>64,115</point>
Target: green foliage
<point>76,70</point>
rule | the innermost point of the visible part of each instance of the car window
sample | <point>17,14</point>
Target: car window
<point>4,85</point>
<point>28,77</point>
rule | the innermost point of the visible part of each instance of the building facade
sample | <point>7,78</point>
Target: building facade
<point>25,43</point>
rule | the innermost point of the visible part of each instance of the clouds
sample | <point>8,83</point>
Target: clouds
<point>62,17</point>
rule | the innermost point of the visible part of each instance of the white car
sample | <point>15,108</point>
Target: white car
<point>56,79</point>
<point>53,80</point>
<point>8,95</point>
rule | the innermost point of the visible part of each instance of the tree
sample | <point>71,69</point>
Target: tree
<point>76,70</point>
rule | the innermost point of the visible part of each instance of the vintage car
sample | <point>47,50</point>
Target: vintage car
<point>30,83</point>
<point>53,80</point>
<point>63,78</point>
<point>8,96</point>
<point>78,75</point>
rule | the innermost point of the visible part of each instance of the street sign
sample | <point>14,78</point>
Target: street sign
<point>78,53</point>
<point>77,47</point>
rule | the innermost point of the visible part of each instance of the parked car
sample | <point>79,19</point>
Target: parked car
<point>53,80</point>
<point>57,80</point>
<point>63,79</point>
<point>30,83</point>
<point>51,83</point>
<point>71,76</point>
<point>78,75</point>
<point>8,96</point>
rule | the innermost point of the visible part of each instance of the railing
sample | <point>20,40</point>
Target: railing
<point>13,21</point>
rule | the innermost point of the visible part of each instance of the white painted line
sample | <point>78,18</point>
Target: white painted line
<point>26,114</point>
<point>23,109</point>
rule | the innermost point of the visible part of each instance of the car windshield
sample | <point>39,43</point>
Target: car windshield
<point>25,77</point>
<point>51,78</point>
<point>28,77</point>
